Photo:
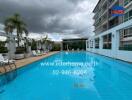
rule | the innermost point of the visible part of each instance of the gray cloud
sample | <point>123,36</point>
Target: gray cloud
<point>56,16</point>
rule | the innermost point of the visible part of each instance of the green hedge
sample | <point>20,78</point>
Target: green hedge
<point>20,50</point>
<point>56,47</point>
<point>75,45</point>
<point>3,50</point>
<point>34,46</point>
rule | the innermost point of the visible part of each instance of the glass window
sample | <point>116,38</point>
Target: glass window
<point>87,44</point>
<point>126,41</point>
<point>91,44</point>
<point>130,14</point>
<point>126,32</point>
<point>97,43</point>
<point>130,30</point>
<point>126,16</point>
<point>107,41</point>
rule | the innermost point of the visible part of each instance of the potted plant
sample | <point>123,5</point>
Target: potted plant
<point>12,23</point>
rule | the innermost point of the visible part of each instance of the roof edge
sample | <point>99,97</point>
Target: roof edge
<point>96,6</point>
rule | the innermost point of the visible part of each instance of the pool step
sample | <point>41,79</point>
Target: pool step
<point>7,78</point>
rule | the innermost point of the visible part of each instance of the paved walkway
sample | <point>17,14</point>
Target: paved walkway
<point>23,62</point>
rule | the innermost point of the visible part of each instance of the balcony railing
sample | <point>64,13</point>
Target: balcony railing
<point>127,2</point>
<point>111,4</point>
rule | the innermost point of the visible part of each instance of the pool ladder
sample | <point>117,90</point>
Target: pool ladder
<point>10,66</point>
<point>7,76</point>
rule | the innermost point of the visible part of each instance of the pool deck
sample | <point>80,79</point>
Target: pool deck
<point>25,61</point>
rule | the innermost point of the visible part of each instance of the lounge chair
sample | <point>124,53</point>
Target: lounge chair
<point>42,53</point>
<point>78,49</point>
<point>5,61</point>
<point>45,52</point>
<point>39,52</point>
<point>36,54</point>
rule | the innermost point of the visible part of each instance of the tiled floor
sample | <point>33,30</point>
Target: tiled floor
<point>22,62</point>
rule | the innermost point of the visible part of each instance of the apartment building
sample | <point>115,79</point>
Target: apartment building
<point>103,17</point>
<point>113,34</point>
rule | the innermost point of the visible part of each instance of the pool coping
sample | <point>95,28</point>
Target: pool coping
<point>24,65</point>
<point>110,57</point>
<point>55,52</point>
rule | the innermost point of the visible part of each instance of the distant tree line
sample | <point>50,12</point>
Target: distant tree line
<point>75,44</point>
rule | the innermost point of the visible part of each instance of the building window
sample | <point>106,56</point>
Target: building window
<point>128,16</point>
<point>97,43</point>
<point>87,44</point>
<point>110,1</point>
<point>107,41</point>
<point>91,43</point>
<point>126,39</point>
<point>114,22</point>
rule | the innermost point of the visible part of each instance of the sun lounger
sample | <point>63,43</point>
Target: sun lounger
<point>36,54</point>
<point>5,61</point>
<point>38,51</point>
<point>45,52</point>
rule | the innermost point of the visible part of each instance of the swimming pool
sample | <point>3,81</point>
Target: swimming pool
<point>69,76</point>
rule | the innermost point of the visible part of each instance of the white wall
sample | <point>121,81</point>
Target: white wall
<point>114,52</point>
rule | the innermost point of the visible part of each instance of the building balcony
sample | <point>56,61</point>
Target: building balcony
<point>127,3</point>
<point>101,24</point>
<point>101,28</point>
<point>102,18</point>
<point>114,2</point>
<point>104,2</point>
<point>104,11</point>
<point>114,22</point>
<point>96,16</point>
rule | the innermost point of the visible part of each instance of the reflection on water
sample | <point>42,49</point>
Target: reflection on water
<point>101,78</point>
<point>7,77</point>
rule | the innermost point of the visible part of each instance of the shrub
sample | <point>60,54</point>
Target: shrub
<point>56,47</point>
<point>20,50</point>
<point>3,50</point>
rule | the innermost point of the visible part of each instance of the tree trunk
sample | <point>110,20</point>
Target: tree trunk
<point>18,39</point>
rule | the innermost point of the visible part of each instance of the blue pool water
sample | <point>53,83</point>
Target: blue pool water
<point>59,78</point>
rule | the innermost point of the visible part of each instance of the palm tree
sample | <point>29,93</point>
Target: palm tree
<point>34,44</point>
<point>15,23</point>
<point>8,26</point>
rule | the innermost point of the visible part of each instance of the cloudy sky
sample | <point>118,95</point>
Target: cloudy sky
<point>58,18</point>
